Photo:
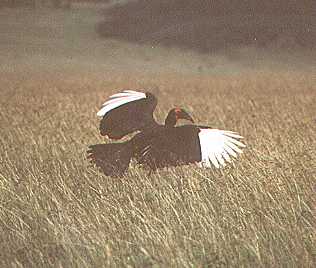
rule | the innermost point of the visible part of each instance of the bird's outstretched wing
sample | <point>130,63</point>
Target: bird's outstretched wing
<point>112,159</point>
<point>126,112</point>
<point>191,144</point>
<point>218,146</point>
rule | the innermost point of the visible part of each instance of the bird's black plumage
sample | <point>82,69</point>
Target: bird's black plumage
<point>170,146</point>
<point>112,159</point>
<point>155,145</point>
<point>129,117</point>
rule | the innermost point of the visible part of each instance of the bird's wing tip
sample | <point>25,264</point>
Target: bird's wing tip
<point>120,99</point>
<point>100,113</point>
<point>218,146</point>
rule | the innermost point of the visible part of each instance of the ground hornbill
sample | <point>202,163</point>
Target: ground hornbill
<point>156,146</point>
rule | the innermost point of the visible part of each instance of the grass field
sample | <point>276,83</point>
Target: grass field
<point>57,211</point>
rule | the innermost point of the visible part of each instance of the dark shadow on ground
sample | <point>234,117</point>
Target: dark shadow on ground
<point>209,26</point>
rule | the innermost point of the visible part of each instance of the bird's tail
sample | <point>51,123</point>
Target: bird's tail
<point>112,159</point>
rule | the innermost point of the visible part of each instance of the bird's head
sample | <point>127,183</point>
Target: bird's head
<point>176,114</point>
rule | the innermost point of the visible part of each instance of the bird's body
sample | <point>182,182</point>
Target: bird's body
<point>169,146</point>
<point>156,146</point>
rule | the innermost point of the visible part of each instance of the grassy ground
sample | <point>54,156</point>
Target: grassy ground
<point>57,211</point>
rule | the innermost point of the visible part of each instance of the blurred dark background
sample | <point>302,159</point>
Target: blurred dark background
<point>204,25</point>
<point>198,36</point>
<point>210,25</point>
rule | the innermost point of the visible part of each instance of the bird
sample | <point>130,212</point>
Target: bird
<point>155,145</point>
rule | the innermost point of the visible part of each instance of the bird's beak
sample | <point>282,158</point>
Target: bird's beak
<point>184,115</point>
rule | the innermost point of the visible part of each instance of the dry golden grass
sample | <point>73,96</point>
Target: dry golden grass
<point>57,211</point>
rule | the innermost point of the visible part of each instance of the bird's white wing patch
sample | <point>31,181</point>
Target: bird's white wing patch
<point>119,99</point>
<point>217,146</point>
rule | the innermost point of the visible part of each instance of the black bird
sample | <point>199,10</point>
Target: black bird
<point>156,146</point>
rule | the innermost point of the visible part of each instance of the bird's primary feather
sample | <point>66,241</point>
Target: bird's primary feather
<point>218,145</point>
<point>119,99</point>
